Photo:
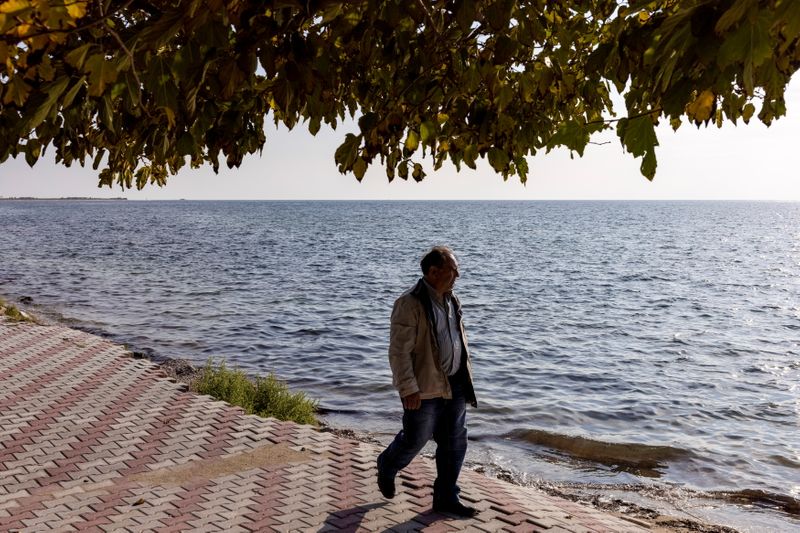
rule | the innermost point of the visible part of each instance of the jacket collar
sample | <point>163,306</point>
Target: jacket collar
<point>420,292</point>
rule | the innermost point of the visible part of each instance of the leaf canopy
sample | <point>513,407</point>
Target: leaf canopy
<point>145,87</point>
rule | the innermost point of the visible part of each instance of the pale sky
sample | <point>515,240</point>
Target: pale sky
<point>744,162</point>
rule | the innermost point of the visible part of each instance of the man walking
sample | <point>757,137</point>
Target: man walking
<point>431,370</point>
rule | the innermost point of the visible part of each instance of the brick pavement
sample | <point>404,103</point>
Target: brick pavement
<point>92,439</point>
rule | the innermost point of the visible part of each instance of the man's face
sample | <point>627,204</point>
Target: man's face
<point>443,278</point>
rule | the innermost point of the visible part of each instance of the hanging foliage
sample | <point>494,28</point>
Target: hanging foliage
<point>144,87</point>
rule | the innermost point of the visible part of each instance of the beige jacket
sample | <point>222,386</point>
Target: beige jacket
<point>414,350</point>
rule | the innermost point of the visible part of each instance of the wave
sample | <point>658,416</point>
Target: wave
<point>639,456</point>
<point>644,277</point>
<point>785,461</point>
<point>760,498</point>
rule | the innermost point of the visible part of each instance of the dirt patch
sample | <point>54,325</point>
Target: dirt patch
<point>181,370</point>
<point>270,455</point>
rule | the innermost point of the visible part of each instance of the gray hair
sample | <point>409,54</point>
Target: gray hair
<point>435,257</point>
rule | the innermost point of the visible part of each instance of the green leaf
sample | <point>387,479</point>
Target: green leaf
<point>186,61</point>
<point>498,159</point>
<point>572,134</point>
<point>143,176</point>
<point>760,41</point>
<point>367,121</point>
<point>648,166</point>
<point>702,107</point>
<point>46,70</point>
<point>504,50</point>
<point>77,56</point>
<point>359,168</point>
<point>101,74</point>
<point>638,135</point>
<point>735,47</point>
<point>160,82</point>
<point>17,92</point>
<point>789,14</point>
<point>470,156</point>
<point>70,96</point>
<point>53,91</point>
<point>347,152</point>
<point>32,151</point>
<point>418,174</point>
<point>402,170</point>
<point>314,125</point>
<point>330,13</point>
<point>522,168</point>
<point>132,89</point>
<point>747,112</point>
<point>733,15</point>
<point>751,45</point>
<point>505,96</point>
<point>498,14</point>
<point>107,114</point>
<point>465,15</point>
<point>185,145</point>
<point>98,158</point>
<point>412,141</point>
<point>428,132</point>
<point>527,87</point>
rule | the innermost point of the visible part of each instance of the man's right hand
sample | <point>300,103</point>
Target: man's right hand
<point>412,402</point>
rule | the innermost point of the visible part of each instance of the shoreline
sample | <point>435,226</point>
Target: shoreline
<point>183,371</point>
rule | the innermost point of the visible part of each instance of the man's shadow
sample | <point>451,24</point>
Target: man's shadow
<point>349,520</point>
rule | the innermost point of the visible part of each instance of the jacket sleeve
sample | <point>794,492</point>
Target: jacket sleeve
<point>402,339</point>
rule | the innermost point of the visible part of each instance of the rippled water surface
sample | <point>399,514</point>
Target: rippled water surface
<point>613,342</point>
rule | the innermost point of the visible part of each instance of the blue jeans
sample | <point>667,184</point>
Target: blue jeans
<point>445,421</point>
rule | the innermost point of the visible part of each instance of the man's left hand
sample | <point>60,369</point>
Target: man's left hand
<point>412,402</point>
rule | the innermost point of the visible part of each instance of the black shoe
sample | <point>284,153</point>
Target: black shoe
<point>455,508</point>
<point>385,482</point>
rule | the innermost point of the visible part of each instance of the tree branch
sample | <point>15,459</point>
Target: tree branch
<point>77,29</point>
<point>125,49</point>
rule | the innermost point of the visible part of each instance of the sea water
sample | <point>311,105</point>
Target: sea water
<point>617,346</point>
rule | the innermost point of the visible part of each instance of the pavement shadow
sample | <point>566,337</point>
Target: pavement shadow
<point>348,520</point>
<point>422,520</point>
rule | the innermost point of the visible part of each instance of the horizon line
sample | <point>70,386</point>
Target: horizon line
<point>121,198</point>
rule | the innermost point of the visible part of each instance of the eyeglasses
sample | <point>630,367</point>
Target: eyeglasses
<point>450,267</point>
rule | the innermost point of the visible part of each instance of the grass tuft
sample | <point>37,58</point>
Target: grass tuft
<point>263,396</point>
<point>13,313</point>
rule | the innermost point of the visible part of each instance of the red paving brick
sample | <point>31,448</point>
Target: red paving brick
<point>92,439</point>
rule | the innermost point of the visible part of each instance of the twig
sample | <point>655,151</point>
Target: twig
<point>610,120</point>
<point>125,49</point>
<point>428,16</point>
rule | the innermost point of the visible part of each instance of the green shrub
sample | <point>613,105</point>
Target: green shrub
<point>264,396</point>
<point>273,398</point>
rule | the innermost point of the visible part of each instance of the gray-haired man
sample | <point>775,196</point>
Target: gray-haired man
<point>431,370</point>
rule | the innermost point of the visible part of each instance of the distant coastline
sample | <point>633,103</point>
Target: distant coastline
<point>61,198</point>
